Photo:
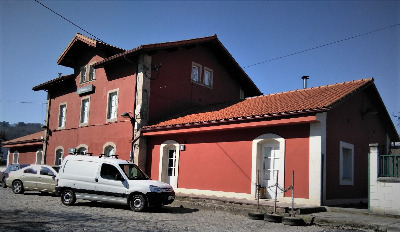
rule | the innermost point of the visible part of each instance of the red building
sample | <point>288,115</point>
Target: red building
<point>188,114</point>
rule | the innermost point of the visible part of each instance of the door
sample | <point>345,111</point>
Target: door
<point>47,180</point>
<point>270,166</point>
<point>109,185</point>
<point>171,168</point>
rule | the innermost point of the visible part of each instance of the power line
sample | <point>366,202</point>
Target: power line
<point>324,45</point>
<point>22,102</point>
<point>69,21</point>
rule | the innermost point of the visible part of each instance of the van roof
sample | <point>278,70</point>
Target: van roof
<point>96,159</point>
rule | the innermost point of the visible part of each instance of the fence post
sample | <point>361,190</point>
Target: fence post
<point>373,169</point>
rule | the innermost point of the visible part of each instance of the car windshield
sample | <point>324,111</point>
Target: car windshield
<point>133,172</point>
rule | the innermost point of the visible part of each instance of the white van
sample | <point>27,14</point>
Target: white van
<point>97,178</point>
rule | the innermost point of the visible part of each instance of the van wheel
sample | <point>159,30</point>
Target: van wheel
<point>17,187</point>
<point>68,197</point>
<point>137,203</point>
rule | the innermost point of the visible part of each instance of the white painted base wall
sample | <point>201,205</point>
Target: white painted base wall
<point>383,192</point>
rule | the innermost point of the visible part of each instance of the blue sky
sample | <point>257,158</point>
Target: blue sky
<point>32,38</point>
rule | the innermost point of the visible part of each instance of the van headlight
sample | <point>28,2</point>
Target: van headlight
<point>155,189</point>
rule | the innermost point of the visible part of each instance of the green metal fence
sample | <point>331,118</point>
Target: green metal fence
<point>389,165</point>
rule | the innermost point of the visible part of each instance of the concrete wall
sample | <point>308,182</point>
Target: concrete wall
<point>383,191</point>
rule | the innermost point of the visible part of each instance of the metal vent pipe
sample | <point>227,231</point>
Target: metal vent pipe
<point>305,78</point>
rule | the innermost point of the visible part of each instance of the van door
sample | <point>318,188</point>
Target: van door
<point>108,186</point>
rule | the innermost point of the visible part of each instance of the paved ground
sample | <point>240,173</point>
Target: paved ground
<point>40,212</point>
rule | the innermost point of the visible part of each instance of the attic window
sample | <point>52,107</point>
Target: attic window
<point>196,72</point>
<point>202,76</point>
<point>83,74</point>
<point>87,72</point>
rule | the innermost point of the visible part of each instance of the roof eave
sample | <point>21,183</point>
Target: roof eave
<point>244,119</point>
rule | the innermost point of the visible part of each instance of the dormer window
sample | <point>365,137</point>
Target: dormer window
<point>87,72</point>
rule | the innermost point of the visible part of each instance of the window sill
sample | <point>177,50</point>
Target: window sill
<point>389,179</point>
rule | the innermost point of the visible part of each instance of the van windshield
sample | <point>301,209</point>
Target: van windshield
<point>133,172</point>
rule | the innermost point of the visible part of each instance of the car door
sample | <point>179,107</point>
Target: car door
<point>29,178</point>
<point>46,179</point>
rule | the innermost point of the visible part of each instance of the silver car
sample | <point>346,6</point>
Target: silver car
<point>34,178</point>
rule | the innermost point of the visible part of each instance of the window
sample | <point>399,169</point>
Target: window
<point>83,74</point>
<point>62,115</point>
<point>30,171</point>
<point>39,155</point>
<point>346,163</point>
<point>58,158</point>
<point>208,76</point>
<point>15,157</point>
<point>82,151</point>
<point>112,105</point>
<point>85,111</point>
<point>109,172</point>
<point>109,151</point>
<point>91,73</point>
<point>46,171</point>
<point>196,72</point>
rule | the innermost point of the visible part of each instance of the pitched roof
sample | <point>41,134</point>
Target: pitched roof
<point>52,82</point>
<point>32,138</point>
<point>222,54</point>
<point>301,101</point>
<point>79,42</point>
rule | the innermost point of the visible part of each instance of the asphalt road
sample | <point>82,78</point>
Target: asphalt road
<point>34,211</point>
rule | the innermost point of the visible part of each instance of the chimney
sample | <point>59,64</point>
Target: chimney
<point>305,78</point>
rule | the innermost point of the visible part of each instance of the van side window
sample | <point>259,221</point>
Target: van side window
<point>109,172</point>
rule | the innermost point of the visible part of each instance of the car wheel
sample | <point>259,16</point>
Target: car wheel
<point>293,221</point>
<point>68,197</point>
<point>137,203</point>
<point>3,183</point>
<point>17,187</point>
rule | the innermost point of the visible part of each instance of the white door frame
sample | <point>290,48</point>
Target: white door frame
<point>163,163</point>
<point>257,159</point>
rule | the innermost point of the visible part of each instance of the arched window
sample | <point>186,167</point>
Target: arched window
<point>109,149</point>
<point>39,155</point>
<point>82,151</point>
<point>15,157</point>
<point>59,156</point>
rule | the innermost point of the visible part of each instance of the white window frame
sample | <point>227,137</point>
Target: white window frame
<point>83,74</point>
<point>211,77</point>
<point>199,68</point>
<point>84,114</point>
<point>15,157</point>
<point>39,161</point>
<point>109,116</point>
<point>91,73</point>
<point>59,148</point>
<point>350,147</point>
<point>62,116</point>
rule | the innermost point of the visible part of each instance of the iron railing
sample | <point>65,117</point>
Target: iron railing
<point>389,165</point>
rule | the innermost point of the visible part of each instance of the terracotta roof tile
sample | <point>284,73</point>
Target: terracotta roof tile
<point>35,137</point>
<point>297,101</point>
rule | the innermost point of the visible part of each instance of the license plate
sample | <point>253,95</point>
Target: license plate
<point>171,197</point>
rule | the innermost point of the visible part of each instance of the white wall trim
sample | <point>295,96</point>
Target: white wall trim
<point>317,150</point>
